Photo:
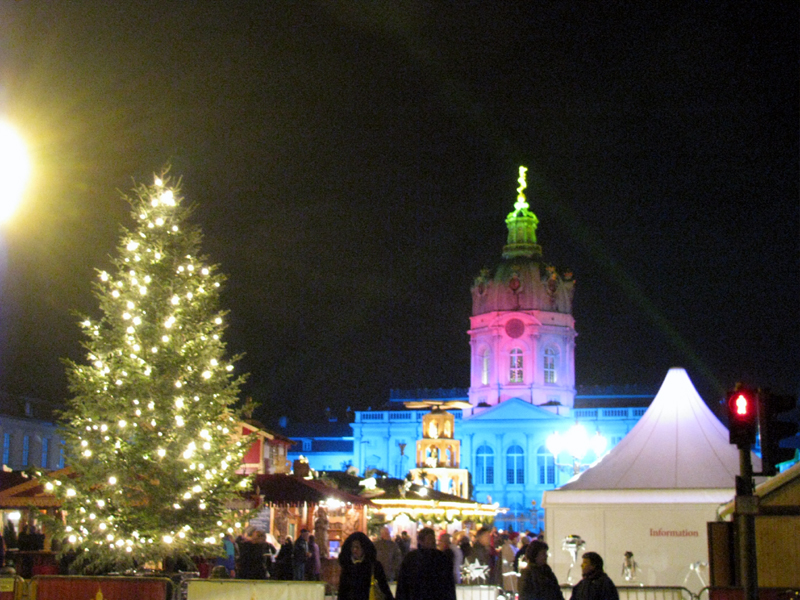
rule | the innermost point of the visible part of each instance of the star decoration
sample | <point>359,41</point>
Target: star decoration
<point>474,571</point>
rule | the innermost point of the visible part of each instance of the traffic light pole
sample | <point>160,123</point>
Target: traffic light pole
<point>746,510</point>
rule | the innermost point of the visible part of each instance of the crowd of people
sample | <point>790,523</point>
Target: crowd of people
<point>517,563</point>
<point>252,556</point>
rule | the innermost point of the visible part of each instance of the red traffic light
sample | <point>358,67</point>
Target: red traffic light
<point>741,405</point>
<point>742,417</point>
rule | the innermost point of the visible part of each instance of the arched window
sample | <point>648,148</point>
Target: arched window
<point>547,466</point>
<point>515,366</point>
<point>484,465</point>
<point>550,360</point>
<point>485,366</point>
<point>515,465</point>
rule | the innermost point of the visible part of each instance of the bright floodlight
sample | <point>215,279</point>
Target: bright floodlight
<point>598,444</point>
<point>14,170</point>
<point>554,444</point>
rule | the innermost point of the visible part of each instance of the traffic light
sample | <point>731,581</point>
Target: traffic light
<point>778,421</point>
<point>742,408</point>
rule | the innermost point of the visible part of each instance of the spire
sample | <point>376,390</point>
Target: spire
<point>521,224</point>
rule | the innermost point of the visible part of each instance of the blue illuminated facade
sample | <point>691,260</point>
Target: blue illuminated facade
<point>522,389</point>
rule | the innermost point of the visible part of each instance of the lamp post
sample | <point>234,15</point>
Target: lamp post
<point>577,443</point>
<point>15,169</point>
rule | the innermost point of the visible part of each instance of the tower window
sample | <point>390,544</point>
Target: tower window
<point>485,367</point>
<point>550,357</point>
<point>484,465</point>
<point>515,465</point>
<point>515,366</point>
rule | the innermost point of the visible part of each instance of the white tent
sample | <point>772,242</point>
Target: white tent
<point>652,494</point>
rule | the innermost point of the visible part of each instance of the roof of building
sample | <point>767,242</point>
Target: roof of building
<point>294,491</point>
<point>326,429</point>
<point>781,490</point>
<point>19,490</point>
<point>393,495</point>
<point>677,444</point>
<point>259,429</point>
<point>26,407</point>
<point>389,487</point>
<point>613,402</point>
<point>400,396</point>
<point>631,390</point>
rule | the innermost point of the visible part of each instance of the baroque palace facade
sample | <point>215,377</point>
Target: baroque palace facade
<point>522,389</point>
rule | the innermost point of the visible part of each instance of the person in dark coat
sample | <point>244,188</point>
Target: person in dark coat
<point>313,562</point>
<point>466,547</point>
<point>300,556</point>
<point>481,553</point>
<point>426,573</point>
<point>359,564</point>
<point>283,561</point>
<point>595,585</point>
<point>537,580</point>
<point>403,541</point>
<point>251,557</point>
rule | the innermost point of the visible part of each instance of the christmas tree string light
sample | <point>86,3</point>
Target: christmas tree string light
<point>148,429</point>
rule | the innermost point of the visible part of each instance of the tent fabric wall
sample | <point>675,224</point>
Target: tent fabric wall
<point>665,530</point>
<point>653,493</point>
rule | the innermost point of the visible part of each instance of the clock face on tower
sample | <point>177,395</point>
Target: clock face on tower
<point>515,328</point>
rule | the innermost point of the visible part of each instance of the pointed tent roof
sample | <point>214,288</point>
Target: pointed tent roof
<point>677,444</point>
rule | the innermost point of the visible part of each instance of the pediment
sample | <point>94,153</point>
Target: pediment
<point>514,410</point>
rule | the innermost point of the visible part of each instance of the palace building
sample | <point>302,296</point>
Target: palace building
<point>522,389</point>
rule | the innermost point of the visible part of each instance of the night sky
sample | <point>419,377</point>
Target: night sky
<point>352,165</point>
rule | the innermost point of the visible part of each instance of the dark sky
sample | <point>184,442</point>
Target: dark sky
<point>353,163</point>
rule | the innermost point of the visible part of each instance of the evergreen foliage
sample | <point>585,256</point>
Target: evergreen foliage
<point>151,428</point>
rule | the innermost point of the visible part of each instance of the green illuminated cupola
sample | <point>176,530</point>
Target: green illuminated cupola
<point>521,224</point>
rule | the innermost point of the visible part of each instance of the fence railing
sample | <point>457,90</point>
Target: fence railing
<point>646,592</point>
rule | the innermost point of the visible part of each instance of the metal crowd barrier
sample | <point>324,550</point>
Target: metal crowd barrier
<point>737,593</point>
<point>13,587</point>
<point>645,592</point>
<point>246,589</point>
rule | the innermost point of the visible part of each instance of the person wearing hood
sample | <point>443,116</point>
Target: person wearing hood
<point>359,565</point>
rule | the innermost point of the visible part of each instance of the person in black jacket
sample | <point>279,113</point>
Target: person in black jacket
<point>251,556</point>
<point>595,585</point>
<point>283,561</point>
<point>537,580</point>
<point>426,573</point>
<point>359,564</point>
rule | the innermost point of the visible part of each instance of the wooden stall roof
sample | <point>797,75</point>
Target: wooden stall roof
<point>17,490</point>
<point>294,491</point>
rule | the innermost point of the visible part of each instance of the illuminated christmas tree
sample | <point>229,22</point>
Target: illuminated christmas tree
<point>150,428</point>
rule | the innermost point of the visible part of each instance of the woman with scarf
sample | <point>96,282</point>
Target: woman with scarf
<point>359,565</point>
